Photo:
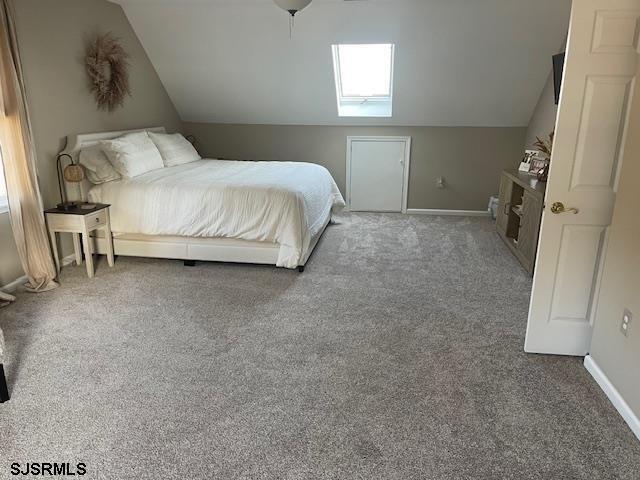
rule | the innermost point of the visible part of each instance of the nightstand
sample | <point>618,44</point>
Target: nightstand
<point>80,221</point>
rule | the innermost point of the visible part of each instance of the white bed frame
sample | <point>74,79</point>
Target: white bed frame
<point>189,249</point>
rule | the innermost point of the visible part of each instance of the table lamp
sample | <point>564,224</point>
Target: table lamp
<point>72,173</point>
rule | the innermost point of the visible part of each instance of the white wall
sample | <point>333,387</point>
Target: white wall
<point>459,63</point>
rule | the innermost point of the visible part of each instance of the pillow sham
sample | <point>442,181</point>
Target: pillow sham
<point>132,154</point>
<point>97,166</point>
<point>174,149</point>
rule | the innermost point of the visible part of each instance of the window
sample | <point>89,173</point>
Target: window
<point>364,79</point>
<point>4,206</point>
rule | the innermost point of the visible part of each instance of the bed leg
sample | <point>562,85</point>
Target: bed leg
<point>4,390</point>
<point>300,268</point>
<point>189,263</point>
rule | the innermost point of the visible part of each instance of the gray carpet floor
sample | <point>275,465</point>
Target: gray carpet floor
<point>398,354</point>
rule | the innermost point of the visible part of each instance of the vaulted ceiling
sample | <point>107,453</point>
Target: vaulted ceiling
<point>458,62</point>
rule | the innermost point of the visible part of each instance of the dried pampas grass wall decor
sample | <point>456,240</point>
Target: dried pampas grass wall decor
<point>107,66</point>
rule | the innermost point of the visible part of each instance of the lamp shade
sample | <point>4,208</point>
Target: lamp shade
<point>292,6</point>
<point>73,173</point>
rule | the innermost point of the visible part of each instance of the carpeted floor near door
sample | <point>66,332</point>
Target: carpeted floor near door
<point>398,354</point>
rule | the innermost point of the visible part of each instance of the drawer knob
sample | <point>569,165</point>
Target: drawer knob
<point>97,219</point>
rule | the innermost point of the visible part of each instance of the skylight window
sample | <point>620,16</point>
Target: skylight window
<point>364,79</point>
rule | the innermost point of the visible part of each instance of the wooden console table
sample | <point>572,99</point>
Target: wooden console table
<point>519,214</point>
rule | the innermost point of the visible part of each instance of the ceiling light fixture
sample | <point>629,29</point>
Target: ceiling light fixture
<point>293,7</point>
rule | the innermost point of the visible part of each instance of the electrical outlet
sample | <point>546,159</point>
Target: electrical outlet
<point>625,325</point>
<point>440,182</point>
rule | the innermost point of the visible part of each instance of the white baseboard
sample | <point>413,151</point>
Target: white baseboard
<point>623,408</point>
<point>455,213</point>
<point>13,286</point>
<point>433,211</point>
<point>68,260</point>
<point>18,282</point>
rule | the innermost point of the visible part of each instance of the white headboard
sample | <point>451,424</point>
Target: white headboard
<point>77,142</point>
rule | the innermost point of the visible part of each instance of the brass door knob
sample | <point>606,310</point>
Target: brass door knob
<point>558,207</point>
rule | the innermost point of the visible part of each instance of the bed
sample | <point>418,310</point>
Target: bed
<point>215,210</point>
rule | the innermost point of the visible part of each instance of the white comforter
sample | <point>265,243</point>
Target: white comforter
<point>279,202</point>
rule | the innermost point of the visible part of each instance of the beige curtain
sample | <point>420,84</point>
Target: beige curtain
<point>18,157</point>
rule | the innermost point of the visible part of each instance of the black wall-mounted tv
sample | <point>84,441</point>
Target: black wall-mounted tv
<point>558,67</point>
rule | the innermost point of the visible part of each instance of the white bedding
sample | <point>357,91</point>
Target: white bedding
<point>280,202</point>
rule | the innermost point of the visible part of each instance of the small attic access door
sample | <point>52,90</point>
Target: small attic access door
<point>378,173</point>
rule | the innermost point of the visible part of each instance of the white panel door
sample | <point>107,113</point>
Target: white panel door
<point>600,80</point>
<point>377,173</point>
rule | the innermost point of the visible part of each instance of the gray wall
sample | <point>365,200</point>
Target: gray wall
<point>52,36</point>
<point>470,159</point>
<point>10,267</point>
<point>543,120</point>
<point>619,356</point>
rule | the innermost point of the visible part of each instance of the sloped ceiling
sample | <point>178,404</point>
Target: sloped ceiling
<point>458,62</point>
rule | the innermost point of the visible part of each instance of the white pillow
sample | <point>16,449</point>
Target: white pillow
<point>97,166</point>
<point>132,154</point>
<point>174,148</point>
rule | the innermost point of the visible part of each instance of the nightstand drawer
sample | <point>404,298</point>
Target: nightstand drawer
<point>65,223</point>
<point>96,219</point>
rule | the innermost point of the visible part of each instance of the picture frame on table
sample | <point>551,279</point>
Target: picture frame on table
<point>538,164</point>
<point>525,164</point>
